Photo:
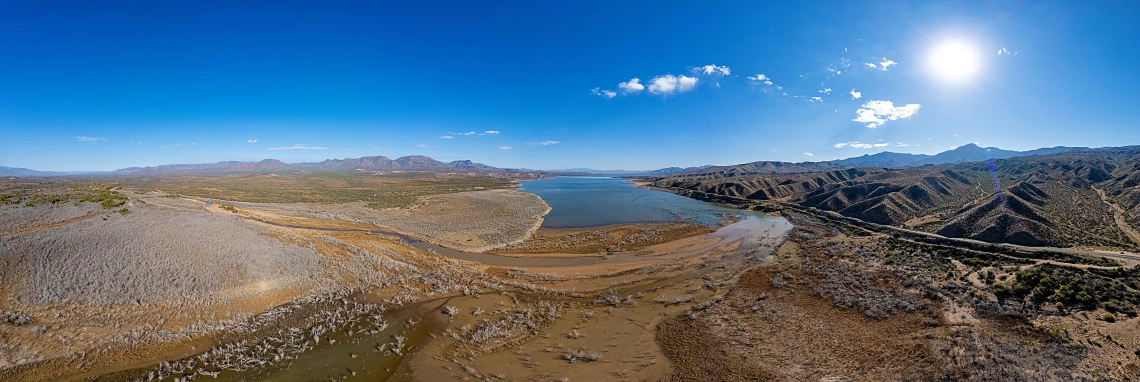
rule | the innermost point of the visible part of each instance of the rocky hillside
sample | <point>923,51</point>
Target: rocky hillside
<point>1044,200</point>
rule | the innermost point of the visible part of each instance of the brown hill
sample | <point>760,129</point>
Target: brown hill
<point>1046,200</point>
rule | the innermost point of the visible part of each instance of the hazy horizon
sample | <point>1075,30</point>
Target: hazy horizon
<point>525,167</point>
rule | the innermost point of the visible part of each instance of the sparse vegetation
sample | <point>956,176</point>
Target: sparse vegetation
<point>391,190</point>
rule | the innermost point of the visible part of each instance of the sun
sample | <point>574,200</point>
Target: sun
<point>954,60</point>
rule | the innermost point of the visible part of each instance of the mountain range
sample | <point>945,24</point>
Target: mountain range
<point>1059,197</point>
<point>967,153</point>
<point>373,163</point>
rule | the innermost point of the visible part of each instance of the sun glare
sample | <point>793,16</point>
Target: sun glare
<point>954,61</point>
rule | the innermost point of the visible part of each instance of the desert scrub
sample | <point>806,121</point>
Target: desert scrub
<point>15,318</point>
<point>1113,290</point>
<point>583,355</point>
<point>390,190</point>
<point>492,335</point>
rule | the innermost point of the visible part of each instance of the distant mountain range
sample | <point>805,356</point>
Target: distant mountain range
<point>967,153</point>
<point>373,163</point>
<point>962,154</point>
<point>658,172</point>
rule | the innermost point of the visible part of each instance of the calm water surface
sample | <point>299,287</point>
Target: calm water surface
<point>595,201</point>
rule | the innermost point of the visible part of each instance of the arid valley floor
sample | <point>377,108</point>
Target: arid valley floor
<point>453,278</point>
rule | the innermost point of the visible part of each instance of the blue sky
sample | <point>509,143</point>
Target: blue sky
<point>100,86</point>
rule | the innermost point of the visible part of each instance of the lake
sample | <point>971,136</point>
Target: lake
<point>597,201</point>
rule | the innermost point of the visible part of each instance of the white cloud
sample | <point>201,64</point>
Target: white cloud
<point>809,154</point>
<point>446,137</point>
<point>759,78</point>
<point>548,143</point>
<point>632,86</point>
<point>1005,52</point>
<point>90,139</point>
<point>855,94</point>
<point>870,65</point>
<point>297,147</point>
<point>816,99</point>
<point>251,141</point>
<point>603,93</point>
<point>469,133</point>
<point>876,113</point>
<point>826,91</point>
<point>491,132</point>
<point>860,145</point>
<point>886,63</point>
<point>504,147</point>
<point>423,146</point>
<point>669,84</point>
<point>713,69</point>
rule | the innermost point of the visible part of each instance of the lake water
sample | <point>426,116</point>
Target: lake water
<point>598,201</point>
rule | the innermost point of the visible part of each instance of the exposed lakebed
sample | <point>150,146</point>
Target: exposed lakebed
<point>575,202</point>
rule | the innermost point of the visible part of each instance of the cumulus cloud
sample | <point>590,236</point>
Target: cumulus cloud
<point>816,99</point>
<point>712,69</point>
<point>855,94</point>
<point>876,113</point>
<point>826,91</point>
<point>632,86</point>
<point>82,138</point>
<point>1005,52</point>
<point>446,137</point>
<point>297,147</point>
<point>251,141</point>
<point>809,154</point>
<point>548,143</point>
<point>603,93</point>
<point>669,84</point>
<point>491,132</point>
<point>505,147</point>
<point>870,65</point>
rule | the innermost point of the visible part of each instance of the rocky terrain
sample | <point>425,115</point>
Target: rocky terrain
<point>1043,200</point>
<point>857,306</point>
